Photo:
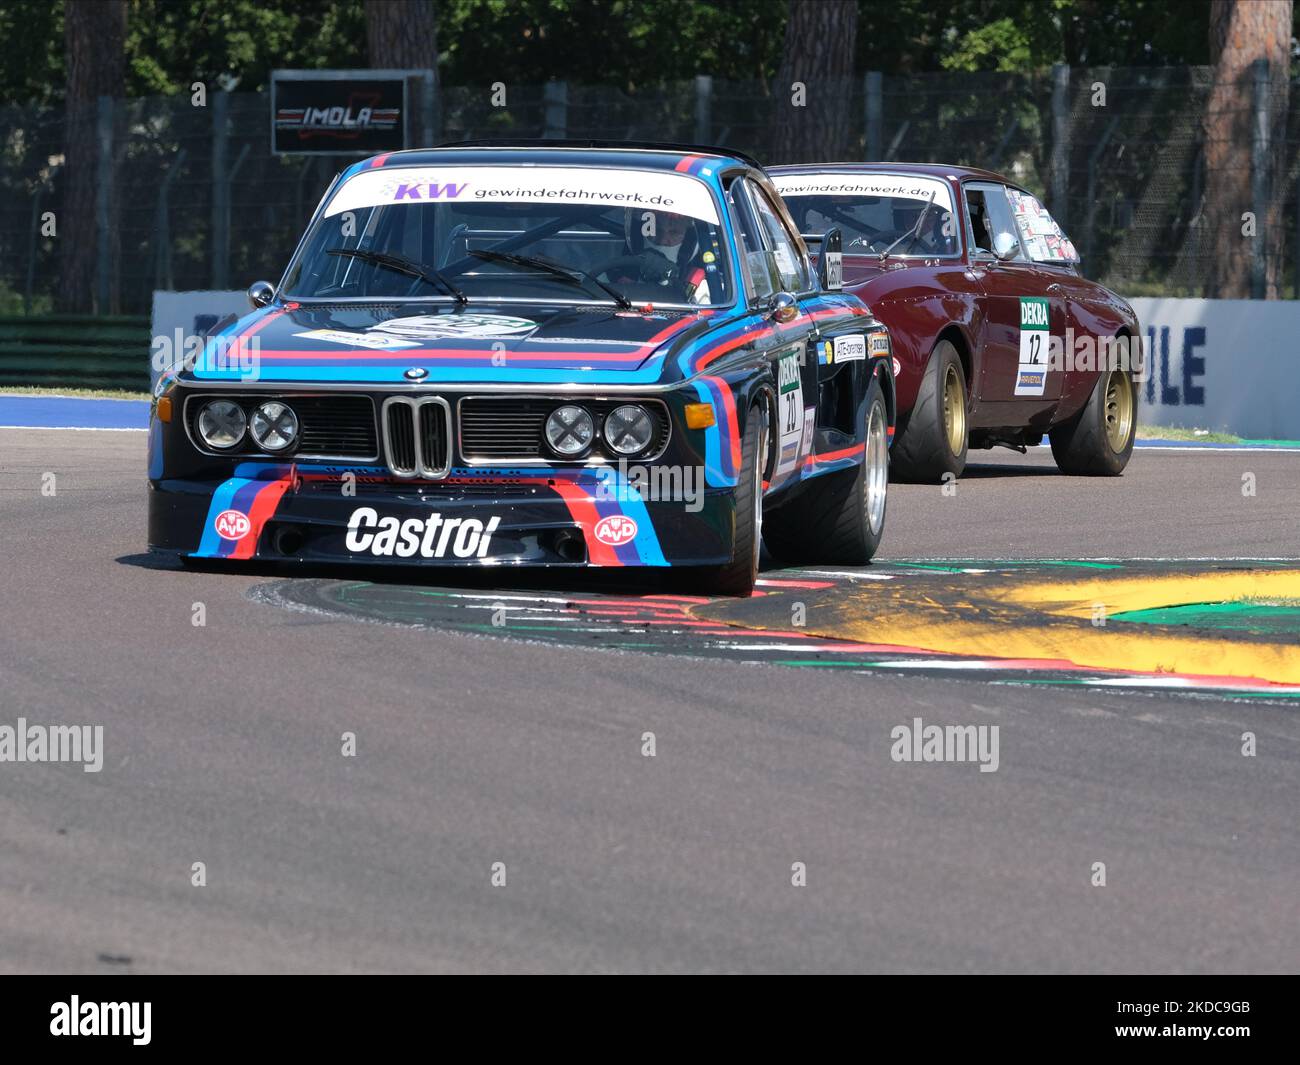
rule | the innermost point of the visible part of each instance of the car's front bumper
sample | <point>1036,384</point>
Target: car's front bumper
<point>532,515</point>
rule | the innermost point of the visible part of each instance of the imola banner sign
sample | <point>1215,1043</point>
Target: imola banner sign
<point>338,112</point>
<point>1220,364</point>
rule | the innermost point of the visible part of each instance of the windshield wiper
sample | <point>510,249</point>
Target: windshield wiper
<point>402,265</point>
<point>912,233</point>
<point>568,273</point>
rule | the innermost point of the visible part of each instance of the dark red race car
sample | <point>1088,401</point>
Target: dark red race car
<point>997,337</point>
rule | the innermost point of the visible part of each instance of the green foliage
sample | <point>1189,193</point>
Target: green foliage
<point>173,43</point>
<point>32,70</point>
<point>626,43</point>
<point>913,36</point>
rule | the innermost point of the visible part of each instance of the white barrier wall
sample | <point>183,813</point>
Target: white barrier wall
<point>193,313</point>
<point>1231,365</point>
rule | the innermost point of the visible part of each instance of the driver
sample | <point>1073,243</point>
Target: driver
<point>666,255</point>
<point>668,235</point>
<point>931,237</point>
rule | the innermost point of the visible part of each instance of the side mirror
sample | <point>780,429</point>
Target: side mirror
<point>1005,246</point>
<point>830,261</point>
<point>784,308</point>
<point>260,293</point>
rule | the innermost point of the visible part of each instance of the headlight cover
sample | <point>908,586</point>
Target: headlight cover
<point>274,426</point>
<point>570,430</point>
<point>629,429</point>
<point>221,424</point>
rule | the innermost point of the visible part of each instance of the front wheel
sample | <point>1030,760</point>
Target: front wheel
<point>930,444</point>
<point>1098,442</point>
<point>839,517</point>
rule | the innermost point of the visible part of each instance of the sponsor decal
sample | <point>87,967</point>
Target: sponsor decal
<point>789,383</point>
<point>851,348</point>
<point>616,530</point>
<point>232,524</point>
<point>412,331</point>
<point>418,327</point>
<point>809,428</point>
<point>358,340</point>
<point>898,366</point>
<point>431,537</point>
<point>880,343</point>
<point>426,190</point>
<point>1035,332</point>
<point>834,269</point>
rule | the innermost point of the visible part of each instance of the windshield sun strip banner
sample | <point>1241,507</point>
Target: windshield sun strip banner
<point>651,190</point>
<point>848,183</point>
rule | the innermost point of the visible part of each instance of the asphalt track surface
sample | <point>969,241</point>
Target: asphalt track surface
<point>223,746</point>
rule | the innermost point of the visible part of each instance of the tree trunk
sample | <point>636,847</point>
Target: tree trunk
<point>95,36</point>
<point>403,35</point>
<point>815,82</point>
<point>1240,33</point>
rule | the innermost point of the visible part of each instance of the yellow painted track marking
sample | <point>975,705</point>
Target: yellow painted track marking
<point>1020,616</point>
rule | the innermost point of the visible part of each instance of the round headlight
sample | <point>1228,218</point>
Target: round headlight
<point>629,429</point>
<point>274,426</point>
<point>569,430</point>
<point>222,423</point>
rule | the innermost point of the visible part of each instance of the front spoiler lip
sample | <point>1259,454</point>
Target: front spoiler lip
<point>537,527</point>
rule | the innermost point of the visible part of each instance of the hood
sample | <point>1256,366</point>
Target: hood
<point>393,343</point>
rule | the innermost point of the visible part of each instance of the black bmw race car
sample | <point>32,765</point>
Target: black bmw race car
<point>536,355</point>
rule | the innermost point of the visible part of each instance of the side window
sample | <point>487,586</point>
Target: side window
<point>1039,233</point>
<point>757,263</point>
<point>990,215</point>
<point>791,269</point>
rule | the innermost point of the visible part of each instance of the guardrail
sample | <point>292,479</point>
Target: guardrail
<point>75,351</point>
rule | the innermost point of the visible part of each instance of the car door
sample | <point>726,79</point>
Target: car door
<point>782,274</point>
<point>1020,314</point>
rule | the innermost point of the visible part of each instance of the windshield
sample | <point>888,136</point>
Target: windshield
<point>517,232</point>
<point>874,211</point>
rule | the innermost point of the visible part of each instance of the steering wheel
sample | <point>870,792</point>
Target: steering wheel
<point>634,267</point>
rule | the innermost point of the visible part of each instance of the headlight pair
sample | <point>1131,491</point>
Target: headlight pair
<point>629,430</point>
<point>223,423</point>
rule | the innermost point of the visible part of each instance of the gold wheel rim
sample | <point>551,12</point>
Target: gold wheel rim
<point>954,410</point>
<point>1119,410</point>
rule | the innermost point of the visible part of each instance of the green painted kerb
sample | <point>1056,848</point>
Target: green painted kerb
<point>1261,617</point>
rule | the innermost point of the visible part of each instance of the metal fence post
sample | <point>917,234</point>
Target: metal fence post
<point>555,97</point>
<point>1060,141</point>
<point>703,108</point>
<point>1259,160</point>
<point>31,248</point>
<point>1093,157</point>
<point>162,226</point>
<point>874,105</point>
<point>103,200</point>
<point>220,192</point>
<point>429,100</point>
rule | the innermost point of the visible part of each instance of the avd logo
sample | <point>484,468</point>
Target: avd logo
<point>232,525</point>
<point>616,530</point>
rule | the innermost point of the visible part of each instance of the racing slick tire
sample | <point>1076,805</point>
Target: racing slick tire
<point>931,441</point>
<point>1098,442</point>
<point>737,577</point>
<point>839,517</point>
